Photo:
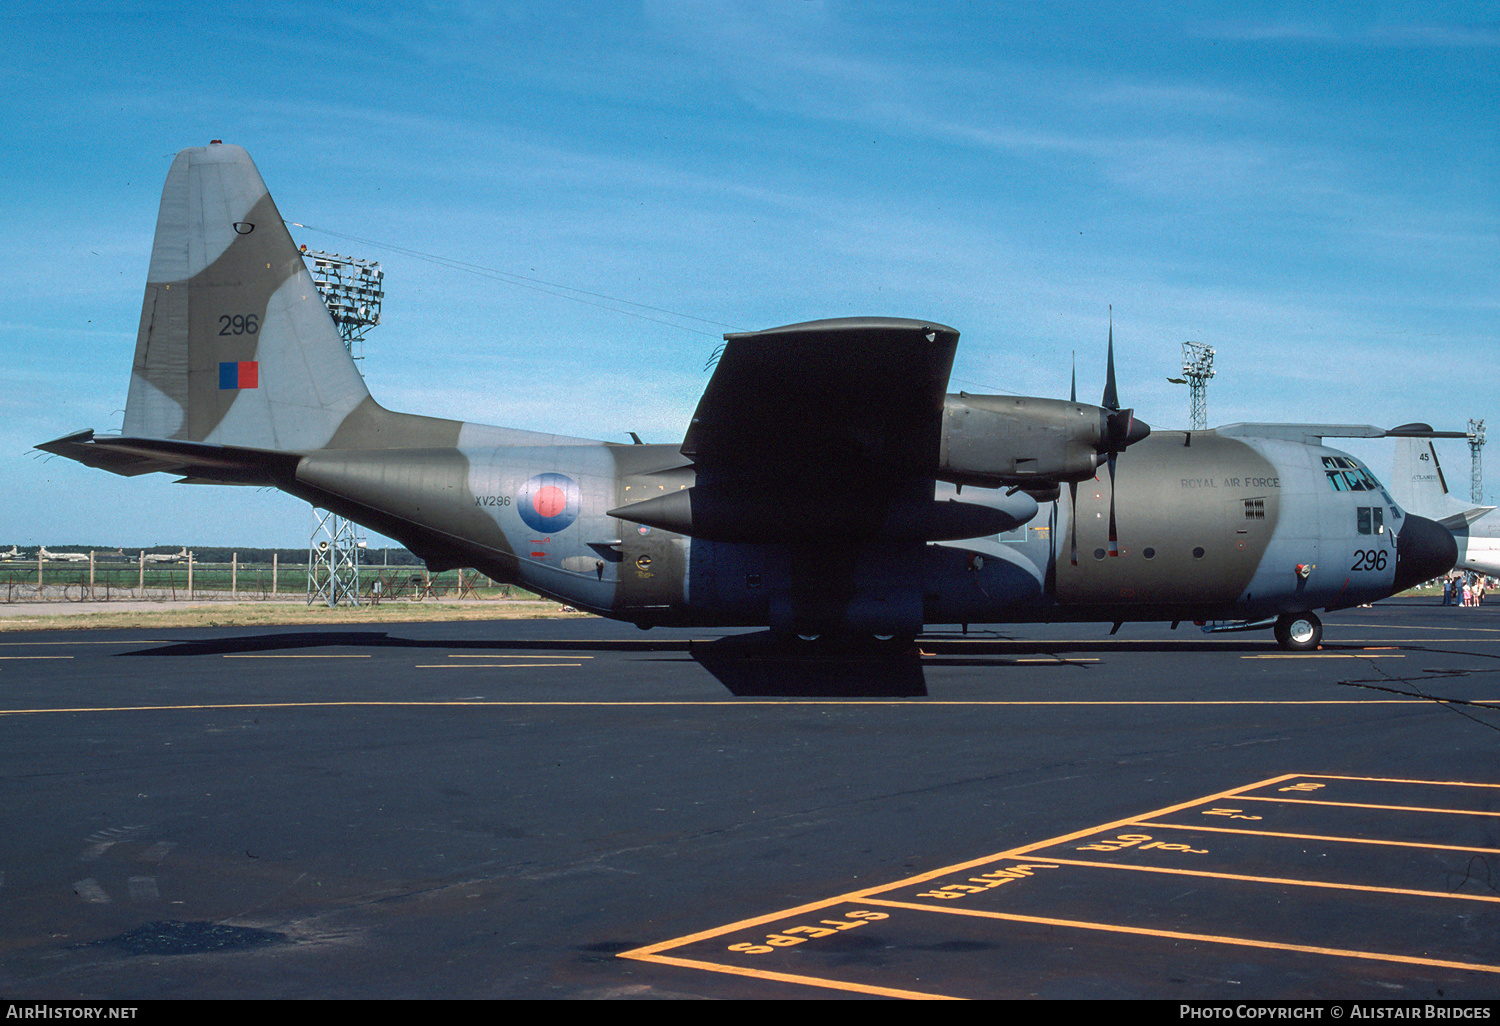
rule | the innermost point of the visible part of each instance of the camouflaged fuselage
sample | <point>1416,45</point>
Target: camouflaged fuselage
<point>807,493</point>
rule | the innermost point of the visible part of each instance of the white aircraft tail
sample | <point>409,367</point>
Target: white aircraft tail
<point>236,347</point>
<point>1419,486</point>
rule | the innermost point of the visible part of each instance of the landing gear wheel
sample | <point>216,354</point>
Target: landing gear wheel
<point>1299,632</point>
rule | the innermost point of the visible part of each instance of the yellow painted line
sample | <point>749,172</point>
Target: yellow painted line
<point>529,655</point>
<point>1178,935</point>
<point>811,981</point>
<point>1321,655</point>
<point>866,894</point>
<point>1319,837</point>
<point>1287,881</point>
<point>653,952</point>
<point>1364,805</point>
<point>1397,780</point>
<point>295,655</point>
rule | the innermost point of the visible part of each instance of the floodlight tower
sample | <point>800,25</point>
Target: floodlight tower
<point>352,290</point>
<point>1197,368</point>
<point>1476,463</point>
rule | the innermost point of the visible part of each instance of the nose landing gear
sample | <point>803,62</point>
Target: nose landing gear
<point>1298,632</point>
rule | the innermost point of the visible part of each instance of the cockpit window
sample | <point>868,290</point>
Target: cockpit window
<point>1349,475</point>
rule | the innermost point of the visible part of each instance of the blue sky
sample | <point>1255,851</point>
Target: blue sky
<point>1313,191</point>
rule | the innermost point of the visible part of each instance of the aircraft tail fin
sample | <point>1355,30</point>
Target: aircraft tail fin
<point>236,347</point>
<point>1419,485</point>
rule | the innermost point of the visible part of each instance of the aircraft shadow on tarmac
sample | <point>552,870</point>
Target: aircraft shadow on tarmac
<point>759,665</point>
<point>748,665</point>
<point>292,640</point>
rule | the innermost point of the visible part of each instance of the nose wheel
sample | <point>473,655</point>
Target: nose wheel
<point>1299,632</point>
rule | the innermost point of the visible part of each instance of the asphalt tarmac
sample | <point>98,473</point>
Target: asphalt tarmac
<point>578,809</point>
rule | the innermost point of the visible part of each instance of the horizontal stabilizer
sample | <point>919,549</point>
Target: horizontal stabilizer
<point>200,461</point>
<point>1459,521</point>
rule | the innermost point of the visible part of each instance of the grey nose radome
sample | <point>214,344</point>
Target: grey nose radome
<point>1424,550</point>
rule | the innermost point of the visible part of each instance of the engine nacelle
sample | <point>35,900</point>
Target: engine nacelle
<point>1030,442</point>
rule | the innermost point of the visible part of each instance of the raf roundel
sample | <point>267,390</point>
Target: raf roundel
<point>548,502</point>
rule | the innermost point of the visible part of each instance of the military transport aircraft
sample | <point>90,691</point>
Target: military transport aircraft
<point>825,487</point>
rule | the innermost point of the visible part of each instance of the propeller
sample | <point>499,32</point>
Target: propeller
<point>1121,431</point>
<point>1073,485</point>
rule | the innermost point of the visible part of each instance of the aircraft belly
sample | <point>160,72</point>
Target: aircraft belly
<point>871,588</point>
<point>978,581</point>
<point>729,582</point>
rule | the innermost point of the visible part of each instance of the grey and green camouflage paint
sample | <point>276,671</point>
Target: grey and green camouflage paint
<point>825,484</point>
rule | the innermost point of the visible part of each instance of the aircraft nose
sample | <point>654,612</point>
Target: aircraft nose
<point>1424,550</point>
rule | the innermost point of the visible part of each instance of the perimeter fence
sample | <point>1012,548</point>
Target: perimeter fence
<point>232,582</point>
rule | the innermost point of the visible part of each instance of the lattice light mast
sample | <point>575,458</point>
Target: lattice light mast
<point>1476,462</point>
<point>1197,368</point>
<point>352,289</point>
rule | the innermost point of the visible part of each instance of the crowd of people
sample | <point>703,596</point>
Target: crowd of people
<point>1465,588</point>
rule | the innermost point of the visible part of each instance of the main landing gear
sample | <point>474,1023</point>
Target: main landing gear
<point>1298,632</point>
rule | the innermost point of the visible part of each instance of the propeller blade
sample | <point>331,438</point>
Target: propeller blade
<point>1073,518</point>
<point>1114,538</point>
<point>1111,396</point>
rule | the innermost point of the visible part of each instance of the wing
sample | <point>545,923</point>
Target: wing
<point>828,427</point>
<point>858,398</point>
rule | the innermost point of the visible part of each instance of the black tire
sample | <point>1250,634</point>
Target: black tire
<point>1299,632</point>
